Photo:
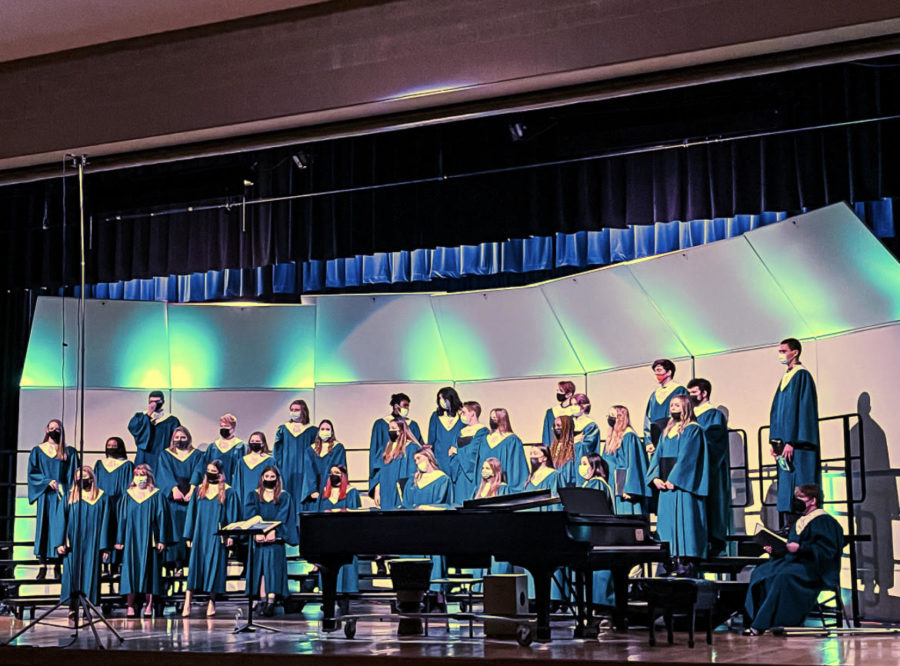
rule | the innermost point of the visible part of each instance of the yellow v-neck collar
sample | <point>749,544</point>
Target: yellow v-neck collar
<point>141,501</point>
<point>118,462</point>
<point>258,462</point>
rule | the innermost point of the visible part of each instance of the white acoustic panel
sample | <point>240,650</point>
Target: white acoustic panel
<point>503,334</point>
<point>377,338</point>
<point>610,321</point>
<point>836,273</point>
<point>242,346</point>
<point>719,297</point>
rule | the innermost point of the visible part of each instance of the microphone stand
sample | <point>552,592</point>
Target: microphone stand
<point>77,597</point>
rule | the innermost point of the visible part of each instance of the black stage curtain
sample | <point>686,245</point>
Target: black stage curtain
<point>18,308</point>
<point>472,181</point>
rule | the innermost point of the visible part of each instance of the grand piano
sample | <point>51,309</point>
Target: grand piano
<point>539,541</point>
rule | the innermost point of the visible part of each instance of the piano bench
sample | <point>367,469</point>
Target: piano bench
<point>683,596</point>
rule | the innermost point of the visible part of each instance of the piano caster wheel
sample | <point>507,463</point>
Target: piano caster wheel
<point>350,628</point>
<point>523,635</point>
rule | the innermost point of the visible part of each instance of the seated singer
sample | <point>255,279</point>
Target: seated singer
<point>784,589</point>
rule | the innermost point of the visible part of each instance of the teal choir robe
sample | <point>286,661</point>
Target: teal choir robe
<point>602,587</point>
<point>794,419</point>
<point>229,459</point>
<point>246,478</point>
<point>151,437</point>
<point>142,525</point>
<point>270,559</point>
<point>86,535</point>
<point>628,475</point>
<point>718,502</point>
<point>293,456</point>
<point>567,474</point>
<point>657,411</point>
<point>508,449</point>
<point>391,478</point>
<point>464,474</point>
<point>348,574</point>
<point>208,565</point>
<point>549,418</point>
<point>681,516</point>
<point>337,455</point>
<point>436,492</point>
<point>380,439</point>
<point>783,590</point>
<point>113,477</point>
<point>42,469</point>
<point>589,432</point>
<point>442,434</point>
<point>174,473</point>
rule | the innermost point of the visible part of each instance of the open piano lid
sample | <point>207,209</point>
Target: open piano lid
<point>515,502</point>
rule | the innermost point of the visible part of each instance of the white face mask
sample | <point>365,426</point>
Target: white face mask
<point>584,471</point>
<point>487,473</point>
<point>295,416</point>
<point>782,358</point>
<point>422,466</point>
<point>445,404</point>
<point>404,412</point>
<point>325,435</point>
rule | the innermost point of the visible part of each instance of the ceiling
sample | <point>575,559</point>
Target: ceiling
<point>40,27</point>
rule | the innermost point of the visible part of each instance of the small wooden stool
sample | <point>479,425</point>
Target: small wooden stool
<point>684,596</point>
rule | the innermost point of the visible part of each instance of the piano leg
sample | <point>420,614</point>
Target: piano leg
<point>542,578</point>
<point>329,595</point>
<point>620,585</point>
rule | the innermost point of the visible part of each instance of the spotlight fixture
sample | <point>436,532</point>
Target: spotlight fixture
<point>302,159</point>
<point>517,131</point>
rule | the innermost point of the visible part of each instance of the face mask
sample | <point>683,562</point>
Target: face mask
<point>560,397</point>
<point>295,416</point>
<point>393,435</point>
<point>403,412</point>
<point>676,416</point>
<point>324,435</point>
<point>140,481</point>
<point>422,466</point>
<point>157,406</point>
<point>797,505</point>
<point>86,484</point>
<point>661,378</point>
<point>611,420</point>
<point>255,447</point>
<point>225,433</point>
<point>487,473</point>
<point>695,400</point>
<point>584,471</point>
<point>535,463</point>
<point>55,435</point>
<point>270,484</point>
<point>493,424</point>
<point>445,404</point>
<point>212,478</point>
<point>335,480</point>
<point>113,453</point>
<point>181,443</point>
<point>557,432</point>
<point>575,410</point>
<point>782,358</point>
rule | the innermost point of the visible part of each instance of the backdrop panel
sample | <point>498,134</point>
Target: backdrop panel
<point>508,333</point>
<point>609,319</point>
<point>242,346</point>
<point>378,338</point>
<point>836,273</point>
<point>718,297</point>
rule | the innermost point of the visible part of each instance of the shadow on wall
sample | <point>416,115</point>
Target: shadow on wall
<point>875,516</point>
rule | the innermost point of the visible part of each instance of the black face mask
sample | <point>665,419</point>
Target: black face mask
<point>535,463</point>
<point>695,400</point>
<point>182,444</point>
<point>86,484</point>
<point>393,435</point>
<point>256,447</point>
<point>557,432</point>
<point>335,480</point>
<point>114,453</point>
<point>270,484</point>
<point>493,424</point>
<point>55,435</point>
<point>224,432</point>
<point>797,505</point>
<point>560,397</point>
<point>212,478</point>
<point>611,420</point>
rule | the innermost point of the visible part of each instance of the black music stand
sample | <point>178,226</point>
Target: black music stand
<point>250,532</point>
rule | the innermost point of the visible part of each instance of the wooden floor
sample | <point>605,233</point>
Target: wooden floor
<point>210,642</point>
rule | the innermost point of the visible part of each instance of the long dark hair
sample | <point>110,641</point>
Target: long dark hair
<point>450,395</point>
<point>61,447</point>
<point>562,450</point>
<point>319,443</point>
<point>204,487</point>
<point>342,488</point>
<point>260,488</point>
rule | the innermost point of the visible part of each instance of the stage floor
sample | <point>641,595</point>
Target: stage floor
<point>211,642</point>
